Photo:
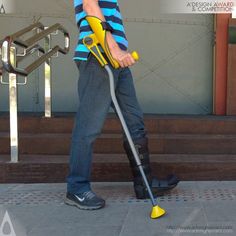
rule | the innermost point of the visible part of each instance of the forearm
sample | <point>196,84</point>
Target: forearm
<point>92,8</point>
<point>124,58</point>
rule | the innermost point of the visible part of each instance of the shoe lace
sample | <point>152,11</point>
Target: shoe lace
<point>89,194</point>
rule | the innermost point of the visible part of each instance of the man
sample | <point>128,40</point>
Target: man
<point>95,101</point>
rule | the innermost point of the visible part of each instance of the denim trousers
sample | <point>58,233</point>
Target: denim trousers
<point>94,104</point>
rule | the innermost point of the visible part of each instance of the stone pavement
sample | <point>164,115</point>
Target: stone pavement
<point>193,208</point>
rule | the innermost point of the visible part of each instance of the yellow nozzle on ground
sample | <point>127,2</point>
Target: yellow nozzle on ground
<point>157,212</point>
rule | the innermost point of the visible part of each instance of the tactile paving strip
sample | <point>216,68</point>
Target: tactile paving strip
<point>115,193</point>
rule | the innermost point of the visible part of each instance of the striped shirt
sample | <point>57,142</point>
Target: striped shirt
<point>111,12</point>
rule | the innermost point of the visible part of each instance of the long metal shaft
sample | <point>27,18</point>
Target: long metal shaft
<point>127,133</point>
<point>13,118</point>
<point>13,109</point>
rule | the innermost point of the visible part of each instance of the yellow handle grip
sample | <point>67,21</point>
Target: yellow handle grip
<point>135,55</point>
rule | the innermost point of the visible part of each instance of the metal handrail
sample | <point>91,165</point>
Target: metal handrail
<point>10,59</point>
<point>41,60</point>
<point>1,67</point>
<point>43,34</point>
<point>19,58</point>
<point>30,51</point>
<point>29,28</point>
<point>12,39</point>
<point>38,26</point>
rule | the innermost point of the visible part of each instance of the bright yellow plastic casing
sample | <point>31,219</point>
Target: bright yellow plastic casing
<point>157,212</point>
<point>91,42</point>
<point>99,37</point>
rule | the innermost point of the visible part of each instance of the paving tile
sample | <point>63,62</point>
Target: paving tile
<point>176,218</point>
<point>138,222</point>
<point>179,203</point>
<point>30,217</point>
<point>221,228</point>
<point>77,231</point>
<point>7,187</point>
<point>220,211</point>
<point>17,226</point>
<point>40,187</point>
<point>215,184</point>
<point>187,216</point>
<point>187,184</point>
<point>111,215</point>
<point>123,214</point>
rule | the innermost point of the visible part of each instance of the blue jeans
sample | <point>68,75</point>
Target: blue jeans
<point>95,101</point>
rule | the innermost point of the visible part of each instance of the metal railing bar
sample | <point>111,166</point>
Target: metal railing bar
<point>30,51</point>
<point>19,42</point>
<point>10,69</point>
<point>41,60</point>
<point>34,48</point>
<point>1,67</point>
<point>11,56</point>
<point>24,72</point>
<point>6,59</point>
<point>15,37</point>
<point>8,41</point>
<point>35,38</point>
<point>42,34</point>
<point>46,32</point>
<point>37,25</point>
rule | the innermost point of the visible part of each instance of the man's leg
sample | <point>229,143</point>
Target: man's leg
<point>133,115</point>
<point>95,100</point>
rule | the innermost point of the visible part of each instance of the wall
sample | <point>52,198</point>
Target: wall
<point>174,74</point>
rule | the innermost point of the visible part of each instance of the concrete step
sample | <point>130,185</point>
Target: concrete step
<point>154,124</point>
<point>193,147</point>
<point>114,167</point>
<point>59,144</point>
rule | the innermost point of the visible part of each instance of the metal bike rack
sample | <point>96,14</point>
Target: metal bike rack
<point>10,58</point>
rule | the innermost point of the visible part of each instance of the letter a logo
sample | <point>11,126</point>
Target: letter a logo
<point>2,10</point>
<point>6,228</point>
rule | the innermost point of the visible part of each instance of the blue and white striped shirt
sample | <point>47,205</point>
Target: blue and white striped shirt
<point>111,12</point>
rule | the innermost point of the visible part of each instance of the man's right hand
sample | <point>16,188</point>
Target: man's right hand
<point>123,58</point>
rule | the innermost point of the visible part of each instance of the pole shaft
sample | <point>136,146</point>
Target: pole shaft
<point>13,109</point>
<point>127,133</point>
<point>47,75</point>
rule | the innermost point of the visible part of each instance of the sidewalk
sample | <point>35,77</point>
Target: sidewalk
<point>193,208</point>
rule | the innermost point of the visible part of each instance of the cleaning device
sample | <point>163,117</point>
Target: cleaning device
<point>94,43</point>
